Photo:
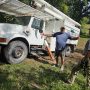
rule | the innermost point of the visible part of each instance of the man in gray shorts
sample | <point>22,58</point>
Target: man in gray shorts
<point>61,39</point>
<point>84,64</point>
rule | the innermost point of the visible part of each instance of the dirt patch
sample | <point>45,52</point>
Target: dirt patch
<point>45,59</point>
<point>73,58</point>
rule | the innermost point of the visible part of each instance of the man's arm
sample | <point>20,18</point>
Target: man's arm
<point>74,38</point>
<point>48,35</point>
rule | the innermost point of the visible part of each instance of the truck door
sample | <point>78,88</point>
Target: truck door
<point>37,27</point>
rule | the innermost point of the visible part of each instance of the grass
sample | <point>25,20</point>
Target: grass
<point>28,76</point>
<point>81,43</point>
<point>37,75</point>
<point>85,31</point>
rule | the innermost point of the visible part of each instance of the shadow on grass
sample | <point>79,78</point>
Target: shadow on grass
<point>39,58</point>
<point>52,75</point>
<point>43,77</point>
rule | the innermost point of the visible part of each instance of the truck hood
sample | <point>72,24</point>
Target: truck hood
<point>11,28</point>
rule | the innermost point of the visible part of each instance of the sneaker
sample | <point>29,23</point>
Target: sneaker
<point>55,65</point>
<point>62,68</point>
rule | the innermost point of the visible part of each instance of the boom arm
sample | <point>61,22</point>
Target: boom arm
<point>17,8</point>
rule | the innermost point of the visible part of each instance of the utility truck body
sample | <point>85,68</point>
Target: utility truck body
<point>16,39</point>
<point>60,19</point>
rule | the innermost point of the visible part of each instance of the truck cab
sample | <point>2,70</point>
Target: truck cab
<point>17,38</point>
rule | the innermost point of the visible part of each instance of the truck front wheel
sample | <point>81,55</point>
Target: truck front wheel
<point>15,52</point>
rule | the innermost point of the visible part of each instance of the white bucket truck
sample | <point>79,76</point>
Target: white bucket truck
<point>17,38</point>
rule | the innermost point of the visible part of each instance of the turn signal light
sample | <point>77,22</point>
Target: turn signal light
<point>2,39</point>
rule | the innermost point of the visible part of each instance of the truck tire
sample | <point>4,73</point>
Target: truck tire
<point>68,51</point>
<point>15,52</point>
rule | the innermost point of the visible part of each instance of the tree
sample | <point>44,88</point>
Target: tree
<point>86,10</point>
<point>78,9</point>
<point>59,4</point>
<point>75,10</point>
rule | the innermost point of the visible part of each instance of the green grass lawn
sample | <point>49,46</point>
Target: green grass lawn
<point>38,75</point>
